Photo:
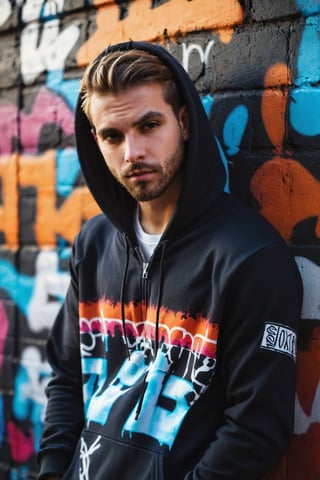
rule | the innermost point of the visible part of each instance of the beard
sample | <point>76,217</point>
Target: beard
<point>163,175</point>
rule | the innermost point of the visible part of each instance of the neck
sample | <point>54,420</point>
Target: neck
<point>155,215</point>
<point>154,219</point>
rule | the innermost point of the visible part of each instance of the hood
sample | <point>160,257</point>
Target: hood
<point>204,174</point>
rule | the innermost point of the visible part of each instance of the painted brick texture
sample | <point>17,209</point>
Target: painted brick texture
<point>256,66</point>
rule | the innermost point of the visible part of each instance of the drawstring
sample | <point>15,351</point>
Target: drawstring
<point>159,300</point>
<point>156,347</point>
<point>141,396</point>
<point>123,318</point>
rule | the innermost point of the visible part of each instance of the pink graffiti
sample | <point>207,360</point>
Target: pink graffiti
<point>4,327</point>
<point>21,444</point>
<point>46,108</point>
<point>176,335</point>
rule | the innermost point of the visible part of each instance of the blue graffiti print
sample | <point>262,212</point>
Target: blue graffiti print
<point>305,99</point>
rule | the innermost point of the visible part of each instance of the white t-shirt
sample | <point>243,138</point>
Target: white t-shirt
<point>147,242</point>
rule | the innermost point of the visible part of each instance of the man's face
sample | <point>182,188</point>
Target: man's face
<point>141,140</point>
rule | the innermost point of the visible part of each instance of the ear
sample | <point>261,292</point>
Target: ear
<point>183,119</point>
<point>93,131</point>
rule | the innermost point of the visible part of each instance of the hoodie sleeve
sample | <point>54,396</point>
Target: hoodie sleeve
<point>257,369</point>
<point>64,413</point>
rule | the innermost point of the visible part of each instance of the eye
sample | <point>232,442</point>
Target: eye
<point>150,125</point>
<point>112,136</point>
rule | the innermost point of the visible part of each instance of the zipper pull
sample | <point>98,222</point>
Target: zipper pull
<point>145,270</point>
<point>145,265</point>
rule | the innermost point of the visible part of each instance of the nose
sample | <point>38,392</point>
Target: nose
<point>134,148</point>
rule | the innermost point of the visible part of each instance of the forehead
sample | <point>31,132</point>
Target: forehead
<point>129,104</point>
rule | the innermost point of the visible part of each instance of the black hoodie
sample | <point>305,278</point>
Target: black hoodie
<point>186,369</point>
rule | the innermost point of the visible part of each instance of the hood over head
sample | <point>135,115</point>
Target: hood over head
<point>204,174</point>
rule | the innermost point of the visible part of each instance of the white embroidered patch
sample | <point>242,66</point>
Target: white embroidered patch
<point>280,339</point>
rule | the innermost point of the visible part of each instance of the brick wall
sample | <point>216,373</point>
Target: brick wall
<point>257,68</point>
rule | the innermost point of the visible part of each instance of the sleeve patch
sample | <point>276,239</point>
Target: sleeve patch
<point>279,338</point>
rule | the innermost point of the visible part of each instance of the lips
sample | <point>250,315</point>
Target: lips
<point>139,172</point>
<point>144,176</point>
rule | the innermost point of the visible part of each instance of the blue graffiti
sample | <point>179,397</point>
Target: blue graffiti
<point>29,398</point>
<point>98,403</point>
<point>67,166</point>
<point>305,99</point>
<point>67,169</point>
<point>207,102</point>
<point>234,128</point>
<point>308,7</point>
<point>21,473</point>
<point>157,421</point>
<point>18,286</point>
<point>67,89</point>
<point>21,287</point>
<point>225,163</point>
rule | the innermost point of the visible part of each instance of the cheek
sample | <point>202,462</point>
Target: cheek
<point>111,157</point>
<point>113,163</point>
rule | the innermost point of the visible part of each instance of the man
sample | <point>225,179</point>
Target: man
<point>174,352</point>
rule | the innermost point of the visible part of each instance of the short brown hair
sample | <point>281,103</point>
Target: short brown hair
<point>118,70</point>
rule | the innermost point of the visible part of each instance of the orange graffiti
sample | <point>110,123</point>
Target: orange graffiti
<point>286,193</point>
<point>108,309</point>
<point>304,452</point>
<point>167,20</point>
<point>174,327</point>
<point>39,172</point>
<point>302,460</point>
<point>9,201</point>
<point>274,103</point>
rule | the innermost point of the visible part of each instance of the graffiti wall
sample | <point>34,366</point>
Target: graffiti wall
<point>256,66</point>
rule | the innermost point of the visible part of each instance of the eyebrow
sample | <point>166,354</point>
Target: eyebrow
<point>147,116</point>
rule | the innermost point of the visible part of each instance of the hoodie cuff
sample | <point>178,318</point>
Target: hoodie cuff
<point>52,463</point>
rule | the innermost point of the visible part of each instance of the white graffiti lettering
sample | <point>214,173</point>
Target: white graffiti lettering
<point>5,11</point>
<point>49,283</point>
<point>43,46</point>
<point>85,454</point>
<point>187,50</point>
<point>279,339</point>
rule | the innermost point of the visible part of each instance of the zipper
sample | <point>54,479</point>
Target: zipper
<point>145,265</point>
<point>144,278</point>
<point>145,270</point>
